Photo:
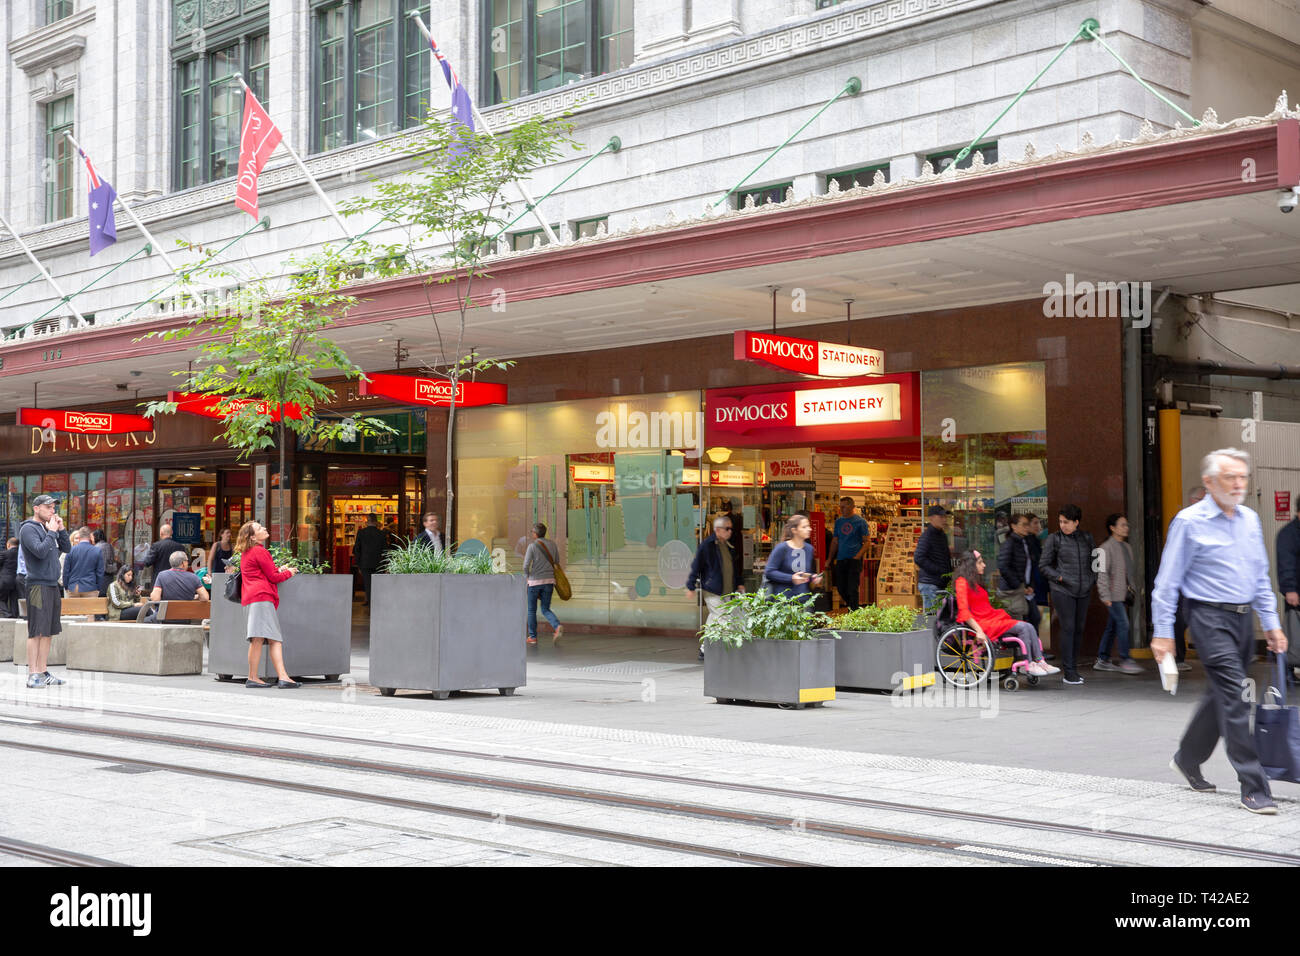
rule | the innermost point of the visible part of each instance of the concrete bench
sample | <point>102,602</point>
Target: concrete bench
<point>129,648</point>
<point>9,626</point>
<point>58,646</point>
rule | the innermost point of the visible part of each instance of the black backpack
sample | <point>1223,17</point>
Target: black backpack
<point>947,616</point>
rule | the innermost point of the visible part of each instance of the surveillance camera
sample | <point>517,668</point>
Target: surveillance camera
<point>1288,199</point>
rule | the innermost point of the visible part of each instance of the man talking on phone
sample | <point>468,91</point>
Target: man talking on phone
<point>41,539</point>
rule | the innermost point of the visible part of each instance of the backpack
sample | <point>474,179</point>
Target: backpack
<point>947,616</point>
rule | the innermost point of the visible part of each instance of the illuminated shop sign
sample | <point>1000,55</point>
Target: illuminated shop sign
<point>215,406</point>
<point>432,391</point>
<point>84,423</point>
<point>808,357</point>
<point>880,407</point>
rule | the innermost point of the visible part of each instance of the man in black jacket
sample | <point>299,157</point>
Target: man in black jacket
<point>717,569</point>
<point>1288,582</point>
<point>933,559</point>
<point>1015,564</point>
<point>1067,565</point>
<point>368,552</point>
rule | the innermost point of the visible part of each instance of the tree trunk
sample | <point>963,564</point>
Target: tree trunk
<point>280,484</point>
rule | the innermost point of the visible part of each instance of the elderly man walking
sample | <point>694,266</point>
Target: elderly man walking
<point>1214,555</point>
<point>716,569</point>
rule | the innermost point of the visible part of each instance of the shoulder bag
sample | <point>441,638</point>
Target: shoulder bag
<point>1277,731</point>
<point>234,586</point>
<point>562,589</point>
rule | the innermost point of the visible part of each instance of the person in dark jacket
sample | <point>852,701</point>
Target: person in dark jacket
<point>42,538</point>
<point>159,556</point>
<point>933,559</point>
<point>83,568</point>
<point>100,542</point>
<point>9,579</point>
<point>1288,582</point>
<point>1067,565</point>
<point>789,568</point>
<point>1015,563</point>
<point>716,569</point>
<point>368,552</point>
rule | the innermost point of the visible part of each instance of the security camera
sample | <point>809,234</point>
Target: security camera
<point>1288,199</point>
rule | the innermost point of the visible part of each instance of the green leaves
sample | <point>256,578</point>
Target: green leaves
<point>414,558</point>
<point>874,617</point>
<point>760,616</point>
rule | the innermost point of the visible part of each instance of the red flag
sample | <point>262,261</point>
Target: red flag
<point>257,141</point>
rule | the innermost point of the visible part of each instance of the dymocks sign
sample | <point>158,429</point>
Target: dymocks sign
<point>807,357</point>
<point>878,407</point>
<point>84,423</point>
<point>432,391</point>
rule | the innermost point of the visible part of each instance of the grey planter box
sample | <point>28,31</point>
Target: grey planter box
<point>873,659</point>
<point>315,620</point>
<point>774,672</point>
<point>447,632</point>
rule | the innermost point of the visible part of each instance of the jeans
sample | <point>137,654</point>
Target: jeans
<point>1116,625</point>
<point>847,573</point>
<point>1028,635</point>
<point>1071,611</point>
<point>930,598</point>
<point>543,593</point>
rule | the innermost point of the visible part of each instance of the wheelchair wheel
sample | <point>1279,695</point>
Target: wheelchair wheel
<point>1033,680</point>
<point>1011,683</point>
<point>963,657</point>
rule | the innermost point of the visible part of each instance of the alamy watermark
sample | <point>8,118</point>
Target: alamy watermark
<point>1083,299</point>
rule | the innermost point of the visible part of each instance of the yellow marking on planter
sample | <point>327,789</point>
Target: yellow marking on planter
<point>808,695</point>
<point>918,680</point>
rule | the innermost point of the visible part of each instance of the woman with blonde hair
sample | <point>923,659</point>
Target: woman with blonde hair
<point>258,580</point>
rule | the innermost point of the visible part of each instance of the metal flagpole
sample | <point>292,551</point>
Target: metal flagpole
<point>36,262</point>
<point>310,178</point>
<point>523,190</point>
<point>134,218</point>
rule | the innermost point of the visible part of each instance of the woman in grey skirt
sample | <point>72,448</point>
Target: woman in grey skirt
<point>258,580</point>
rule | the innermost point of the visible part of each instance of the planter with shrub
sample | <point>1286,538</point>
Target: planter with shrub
<point>878,644</point>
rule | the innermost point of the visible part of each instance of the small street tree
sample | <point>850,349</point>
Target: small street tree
<point>452,206</point>
<point>259,356</point>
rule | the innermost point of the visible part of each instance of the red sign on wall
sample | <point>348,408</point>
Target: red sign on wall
<point>433,391</point>
<point>84,423</point>
<point>215,406</point>
<point>1282,505</point>
<point>806,356</point>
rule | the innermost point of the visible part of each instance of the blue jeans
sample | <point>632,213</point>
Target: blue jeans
<point>929,598</point>
<point>543,593</point>
<point>1117,625</point>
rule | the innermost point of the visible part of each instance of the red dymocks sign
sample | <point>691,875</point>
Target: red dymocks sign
<point>215,406</point>
<point>824,359</point>
<point>84,423</point>
<point>774,415</point>
<point>433,391</point>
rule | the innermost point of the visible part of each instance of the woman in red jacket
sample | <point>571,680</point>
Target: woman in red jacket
<point>258,577</point>
<point>974,609</point>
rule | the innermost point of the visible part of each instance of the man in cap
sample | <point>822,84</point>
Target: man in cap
<point>933,559</point>
<point>41,539</point>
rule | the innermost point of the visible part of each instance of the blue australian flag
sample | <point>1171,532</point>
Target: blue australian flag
<point>461,106</point>
<point>103,227</point>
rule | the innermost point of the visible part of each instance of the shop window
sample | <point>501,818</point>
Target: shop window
<point>941,161</point>
<point>862,176</point>
<point>762,195</point>
<point>58,172</point>
<point>409,438</point>
<point>586,228</point>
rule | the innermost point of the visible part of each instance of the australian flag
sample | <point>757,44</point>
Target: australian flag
<point>461,106</point>
<point>103,228</point>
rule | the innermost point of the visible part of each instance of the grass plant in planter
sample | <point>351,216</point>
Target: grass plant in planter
<point>446,621</point>
<point>769,648</point>
<point>883,648</point>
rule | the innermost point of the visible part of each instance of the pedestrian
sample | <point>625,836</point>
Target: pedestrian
<point>1015,559</point>
<point>158,557</point>
<point>259,592</point>
<point>933,558</point>
<point>852,538</point>
<point>1288,582</point>
<point>1067,565</point>
<point>1115,588</point>
<point>124,599</point>
<point>431,536</point>
<point>9,579</point>
<point>975,610</point>
<point>1180,619</point>
<point>368,552</point>
<point>100,542</point>
<point>789,568</point>
<point>1215,555</point>
<point>42,539</point>
<point>540,561</point>
<point>83,569</point>
<point>716,569</point>
<point>220,552</point>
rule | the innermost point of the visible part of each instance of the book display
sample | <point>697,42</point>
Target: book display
<point>896,578</point>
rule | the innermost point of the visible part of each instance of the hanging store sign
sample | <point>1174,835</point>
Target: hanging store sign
<point>791,468</point>
<point>806,356</point>
<point>432,391</point>
<point>214,406</point>
<point>84,423</point>
<point>604,474</point>
<point>880,407</point>
<point>855,482</point>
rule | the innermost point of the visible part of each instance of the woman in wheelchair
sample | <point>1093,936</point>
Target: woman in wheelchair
<point>975,611</point>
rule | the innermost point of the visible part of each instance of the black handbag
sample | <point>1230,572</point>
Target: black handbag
<point>1277,732</point>
<point>234,587</point>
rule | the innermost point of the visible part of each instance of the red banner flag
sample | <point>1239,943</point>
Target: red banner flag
<point>258,139</point>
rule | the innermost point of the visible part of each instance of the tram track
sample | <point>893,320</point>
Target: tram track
<point>48,854</point>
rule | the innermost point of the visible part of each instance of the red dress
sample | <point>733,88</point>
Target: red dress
<point>258,577</point>
<point>975,604</point>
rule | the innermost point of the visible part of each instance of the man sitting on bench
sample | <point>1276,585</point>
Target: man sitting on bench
<point>177,583</point>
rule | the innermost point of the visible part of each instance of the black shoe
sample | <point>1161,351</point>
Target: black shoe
<point>1073,678</point>
<point>1193,777</point>
<point>256,685</point>
<point>287,684</point>
<point>1259,804</point>
<point>701,653</point>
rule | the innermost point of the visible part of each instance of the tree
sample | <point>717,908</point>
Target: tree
<point>452,208</point>
<point>260,355</point>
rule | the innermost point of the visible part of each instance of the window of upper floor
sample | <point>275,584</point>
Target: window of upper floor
<point>56,10</point>
<point>941,161</point>
<point>586,228</point>
<point>536,45</point>
<point>762,194</point>
<point>861,176</point>
<point>58,170</point>
<point>526,239</point>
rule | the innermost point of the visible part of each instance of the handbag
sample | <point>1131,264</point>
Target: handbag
<point>562,589</point>
<point>1277,732</point>
<point>234,587</point>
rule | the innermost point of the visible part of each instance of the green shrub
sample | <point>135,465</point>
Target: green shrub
<point>412,557</point>
<point>874,617</point>
<point>758,616</point>
<point>283,557</point>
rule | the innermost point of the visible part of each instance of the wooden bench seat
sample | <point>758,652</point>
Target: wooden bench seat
<point>176,611</point>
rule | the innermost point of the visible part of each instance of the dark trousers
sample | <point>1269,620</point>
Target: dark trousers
<point>1180,629</point>
<point>366,575</point>
<point>1225,643</point>
<point>847,573</point>
<point>1071,612</point>
<point>9,602</point>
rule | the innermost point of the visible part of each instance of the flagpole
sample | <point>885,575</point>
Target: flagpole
<point>133,217</point>
<point>528,197</point>
<point>306,172</point>
<point>36,262</point>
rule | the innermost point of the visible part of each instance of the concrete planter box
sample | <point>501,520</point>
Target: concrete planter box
<point>58,646</point>
<point>774,672</point>
<point>873,659</point>
<point>447,632</point>
<point>9,626</point>
<point>127,648</point>
<point>316,621</point>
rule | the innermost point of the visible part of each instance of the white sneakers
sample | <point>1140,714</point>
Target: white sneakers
<point>1041,669</point>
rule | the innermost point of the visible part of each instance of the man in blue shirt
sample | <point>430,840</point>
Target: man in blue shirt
<point>847,548</point>
<point>83,567</point>
<point>1214,554</point>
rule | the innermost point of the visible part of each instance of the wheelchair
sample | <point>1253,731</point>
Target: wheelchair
<point>965,659</point>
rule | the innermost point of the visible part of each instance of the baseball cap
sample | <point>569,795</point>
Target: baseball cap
<point>43,500</point>
<point>937,510</point>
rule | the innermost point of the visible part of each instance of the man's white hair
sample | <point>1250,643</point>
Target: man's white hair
<point>1210,463</point>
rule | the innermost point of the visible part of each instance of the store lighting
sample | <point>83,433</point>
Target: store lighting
<point>719,456</point>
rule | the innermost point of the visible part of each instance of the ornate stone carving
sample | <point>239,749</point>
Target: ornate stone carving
<point>185,17</point>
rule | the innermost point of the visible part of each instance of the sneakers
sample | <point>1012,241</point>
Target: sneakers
<point>1048,669</point>
<point>1104,665</point>
<point>51,680</point>
<point>1073,679</point>
<point>1184,667</point>
<point>1130,666</point>
<point>1259,804</point>
<point>35,680</point>
<point>1193,777</point>
<point>1036,669</point>
<point>532,642</point>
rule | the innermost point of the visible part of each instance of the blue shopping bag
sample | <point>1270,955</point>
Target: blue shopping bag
<point>1277,732</point>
